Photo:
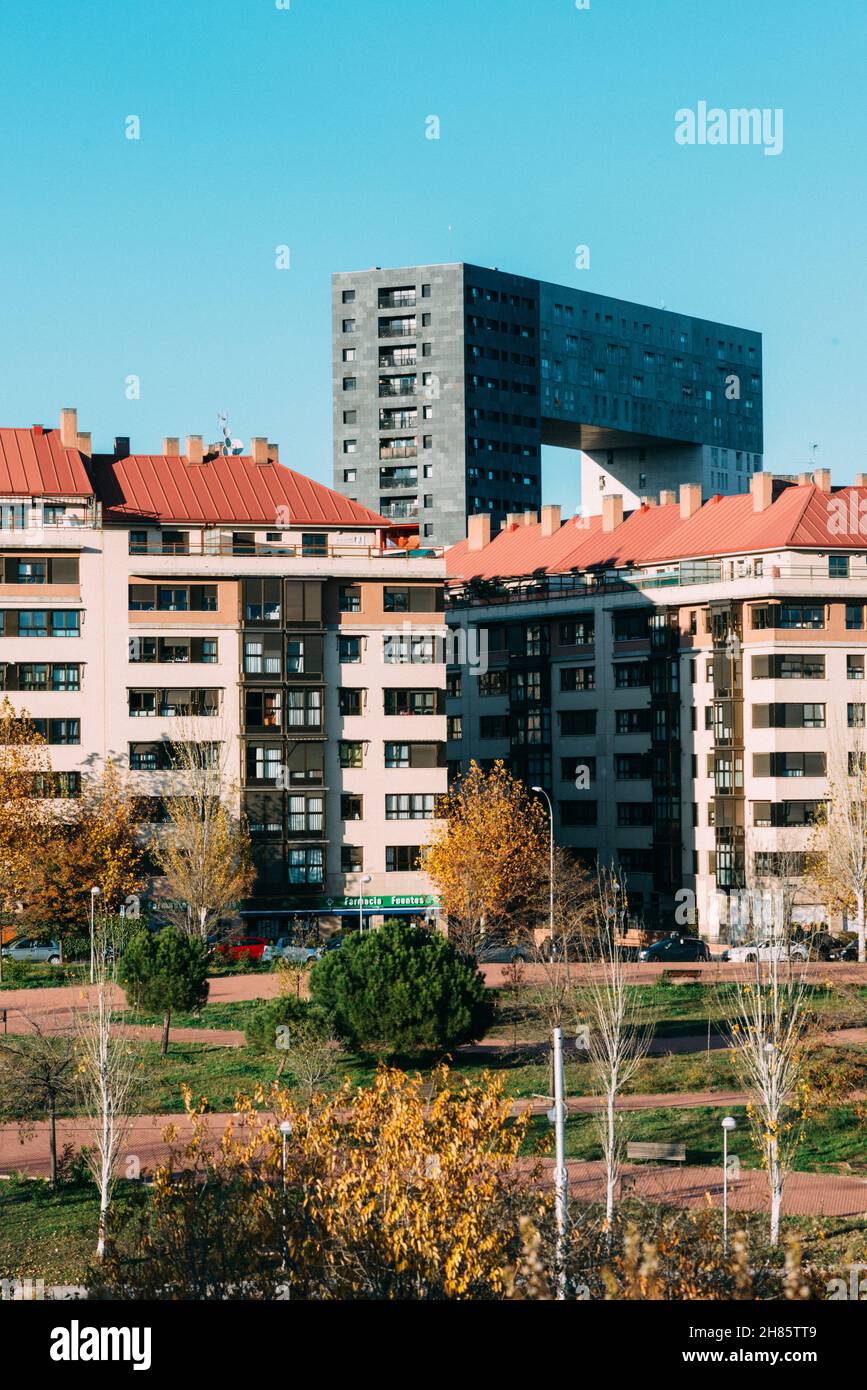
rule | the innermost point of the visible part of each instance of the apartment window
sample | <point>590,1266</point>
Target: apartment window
<point>349,354</point>
<point>350,700</point>
<point>350,417</point>
<point>629,675</point>
<point>838,566</point>
<point>789,666</point>
<point>789,764</point>
<point>402,701</point>
<point>855,716</point>
<point>494,726</point>
<point>412,755</point>
<point>349,325</point>
<point>410,806</point>
<point>493,683</point>
<point>350,598</point>
<point>425,291</point>
<point>306,865</point>
<point>401,859</point>
<point>314,544</point>
<point>854,616</point>
<point>400,650</point>
<point>262,656</point>
<point>173,600</point>
<point>785,814</point>
<point>351,754</point>
<point>572,768</point>
<point>632,721</point>
<point>348,297</point>
<point>632,625</point>
<point>575,678</point>
<point>350,475</point>
<point>631,813</point>
<point>351,806</point>
<point>578,723</point>
<point>28,572</point>
<point>351,859</point>
<point>578,813</point>
<point>65,677</point>
<point>262,709</point>
<point>629,767</point>
<point>349,383</point>
<point>305,815</point>
<point>64,731</point>
<point>395,600</point>
<point>784,716</point>
<point>304,709</point>
<point>142,703</point>
<point>263,763</point>
<point>854,667</point>
<point>349,650</point>
<point>350,446</point>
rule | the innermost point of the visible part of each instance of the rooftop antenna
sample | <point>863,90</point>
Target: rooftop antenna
<point>229,445</point>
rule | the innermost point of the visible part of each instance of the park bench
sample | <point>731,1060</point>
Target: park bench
<point>683,977</point>
<point>671,1153</point>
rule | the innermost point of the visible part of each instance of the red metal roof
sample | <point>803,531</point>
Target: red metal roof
<point>223,489</point>
<point>35,464</point>
<point>800,517</point>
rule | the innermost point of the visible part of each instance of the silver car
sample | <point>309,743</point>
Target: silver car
<point>766,950</point>
<point>288,950</point>
<point>25,948</point>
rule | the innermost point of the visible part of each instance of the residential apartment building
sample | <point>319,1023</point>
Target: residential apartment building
<point>448,379</point>
<point>230,602</point>
<point>684,680</point>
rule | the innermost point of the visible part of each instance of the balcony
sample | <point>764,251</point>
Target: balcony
<point>397,299</point>
<point>398,419</point>
<point>400,511</point>
<point>397,450</point>
<point>398,357</point>
<point>396,483</point>
<point>400,388</point>
<point>397,328</point>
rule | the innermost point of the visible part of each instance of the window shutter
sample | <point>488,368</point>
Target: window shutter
<point>63,569</point>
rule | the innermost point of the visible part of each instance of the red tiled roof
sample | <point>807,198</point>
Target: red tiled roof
<point>36,465</point>
<point>223,489</point>
<point>800,517</point>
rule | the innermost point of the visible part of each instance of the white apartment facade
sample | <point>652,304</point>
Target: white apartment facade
<point>150,599</point>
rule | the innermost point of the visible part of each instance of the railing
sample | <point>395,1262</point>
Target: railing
<point>400,513</point>
<point>262,551</point>
<point>398,301</point>
<point>406,357</point>
<point>394,451</point>
<point>391,391</point>
<point>396,484</point>
<point>398,330</point>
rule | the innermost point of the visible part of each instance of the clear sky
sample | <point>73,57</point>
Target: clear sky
<point>305,127</point>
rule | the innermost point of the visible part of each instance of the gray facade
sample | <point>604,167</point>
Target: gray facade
<point>447,381</point>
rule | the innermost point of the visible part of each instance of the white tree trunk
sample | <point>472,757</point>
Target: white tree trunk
<point>610,1163</point>
<point>775,1177</point>
<point>860,927</point>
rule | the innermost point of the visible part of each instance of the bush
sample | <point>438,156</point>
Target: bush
<point>402,991</point>
<point>283,1012</point>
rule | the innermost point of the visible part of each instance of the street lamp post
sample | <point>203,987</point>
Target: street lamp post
<point>728,1124</point>
<point>285,1132</point>
<point>94,894</point>
<point>560,1175</point>
<point>542,792</point>
<point>366,879</point>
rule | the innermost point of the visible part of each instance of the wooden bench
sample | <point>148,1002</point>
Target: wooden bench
<point>671,1153</point>
<point>683,977</point>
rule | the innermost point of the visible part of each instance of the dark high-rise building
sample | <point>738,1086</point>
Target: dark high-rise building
<point>448,379</point>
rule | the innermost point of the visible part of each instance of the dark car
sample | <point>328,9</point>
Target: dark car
<point>675,948</point>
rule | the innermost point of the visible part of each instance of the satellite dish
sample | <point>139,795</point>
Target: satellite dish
<point>229,445</point>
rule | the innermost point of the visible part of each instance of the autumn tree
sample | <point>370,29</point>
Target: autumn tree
<point>487,856</point>
<point>97,845</point>
<point>398,1190</point>
<point>837,862</point>
<point>204,851</point>
<point>26,786</point>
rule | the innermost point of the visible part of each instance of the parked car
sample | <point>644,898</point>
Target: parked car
<point>675,948</point>
<point>251,948</point>
<point>333,943</point>
<point>848,952</point>
<point>500,953</point>
<point>287,949</point>
<point>25,948</point>
<point>767,949</point>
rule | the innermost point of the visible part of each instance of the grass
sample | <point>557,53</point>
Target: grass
<point>228,1015</point>
<point>47,1234</point>
<point>833,1141</point>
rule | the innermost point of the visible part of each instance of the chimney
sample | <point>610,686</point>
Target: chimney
<point>612,510</point>
<point>762,489</point>
<point>530,518</point>
<point>550,520</point>
<point>38,430</point>
<point>690,500</point>
<point>514,518</point>
<point>121,446</point>
<point>804,479</point>
<point>822,479</point>
<point>82,443</point>
<point>648,501</point>
<point>259,449</point>
<point>861,479</point>
<point>171,446</point>
<point>273,451</point>
<point>195,448</point>
<point>667,498</point>
<point>69,428</point>
<point>478,531</point>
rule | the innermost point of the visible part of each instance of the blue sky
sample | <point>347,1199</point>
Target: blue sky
<point>305,127</point>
